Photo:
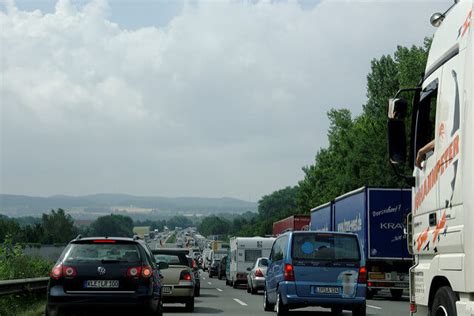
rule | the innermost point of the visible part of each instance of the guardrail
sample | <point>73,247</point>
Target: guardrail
<point>8,287</point>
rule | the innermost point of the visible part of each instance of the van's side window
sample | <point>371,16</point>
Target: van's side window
<point>277,251</point>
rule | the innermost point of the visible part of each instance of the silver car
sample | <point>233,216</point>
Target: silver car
<point>256,276</point>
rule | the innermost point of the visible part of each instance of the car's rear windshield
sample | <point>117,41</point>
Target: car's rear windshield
<point>325,247</point>
<point>263,262</point>
<point>93,252</point>
<point>172,259</point>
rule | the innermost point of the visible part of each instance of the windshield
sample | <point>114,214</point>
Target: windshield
<point>172,259</point>
<point>102,252</point>
<point>325,247</point>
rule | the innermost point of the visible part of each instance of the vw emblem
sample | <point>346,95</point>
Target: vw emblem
<point>101,270</point>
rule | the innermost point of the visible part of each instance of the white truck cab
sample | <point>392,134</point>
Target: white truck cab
<point>441,226</point>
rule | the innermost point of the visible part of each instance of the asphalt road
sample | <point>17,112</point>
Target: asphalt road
<point>217,298</point>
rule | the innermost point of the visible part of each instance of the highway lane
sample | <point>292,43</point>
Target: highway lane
<point>217,298</point>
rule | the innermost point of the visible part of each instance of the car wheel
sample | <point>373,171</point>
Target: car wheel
<point>266,305</point>
<point>359,310</point>
<point>197,291</point>
<point>281,309</point>
<point>51,311</point>
<point>190,305</point>
<point>234,284</point>
<point>248,287</point>
<point>253,290</point>
<point>159,310</point>
<point>444,303</point>
<point>336,311</point>
<point>396,293</point>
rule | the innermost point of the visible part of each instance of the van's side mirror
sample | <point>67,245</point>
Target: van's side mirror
<point>163,265</point>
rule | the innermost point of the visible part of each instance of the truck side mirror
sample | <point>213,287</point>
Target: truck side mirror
<point>397,142</point>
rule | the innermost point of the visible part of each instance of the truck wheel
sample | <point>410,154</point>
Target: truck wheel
<point>266,305</point>
<point>444,303</point>
<point>396,293</point>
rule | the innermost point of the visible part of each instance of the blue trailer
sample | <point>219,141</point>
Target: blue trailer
<point>322,217</point>
<point>377,216</point>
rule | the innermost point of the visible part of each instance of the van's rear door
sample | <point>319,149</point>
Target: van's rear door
<point>325,264</point>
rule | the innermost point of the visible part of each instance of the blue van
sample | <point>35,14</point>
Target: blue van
<point>311,268</point>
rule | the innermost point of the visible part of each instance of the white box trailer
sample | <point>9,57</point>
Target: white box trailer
<point>440,230</point>
<point>244,251</point>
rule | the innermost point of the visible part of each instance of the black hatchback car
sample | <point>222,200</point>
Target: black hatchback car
<point>97,275</point>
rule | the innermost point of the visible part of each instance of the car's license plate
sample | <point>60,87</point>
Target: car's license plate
<point>167,290</point>
<point>101,284</point>
<point>326,290</point>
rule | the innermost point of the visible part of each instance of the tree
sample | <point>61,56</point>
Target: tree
<point>58,227</point>
<point>214,225</point>
<point>112,226</point>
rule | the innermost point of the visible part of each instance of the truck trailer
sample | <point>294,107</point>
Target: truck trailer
<point>377,216</point>
<point>292,223</point>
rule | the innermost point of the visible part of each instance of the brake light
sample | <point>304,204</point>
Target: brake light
<point>104,241</point>
<point>147,272</point>
<point>362,275</point>
<point>412,308</point>
<point>193,263</point>
<point>289,273</point>
<point>258,273</point>
<point>134,271</point>
<point>186,276</point>
<point>69,271</point>
<point>57,272</point>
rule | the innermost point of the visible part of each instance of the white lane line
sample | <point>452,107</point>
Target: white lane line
<point>210,283</point>
<point>375,307</point>
<point>240,302</point>
<point>218,289</point>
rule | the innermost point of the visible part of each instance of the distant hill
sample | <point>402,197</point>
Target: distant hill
<point>22,205</point>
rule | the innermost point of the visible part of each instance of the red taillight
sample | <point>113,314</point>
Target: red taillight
<point>370,284</point>
<point>104,241</point>
<point>362,275</point>
<point>69,272</point>
<point>194,263</point>
<point>289,273</point>
<point>57,272</point>
<point>258,273</point>
<point>147,272</point>
<point>412,308</point>
<point>134,271</point>
<point>186,276</point>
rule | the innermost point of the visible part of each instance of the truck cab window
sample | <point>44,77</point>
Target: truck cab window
<point>426,120</point>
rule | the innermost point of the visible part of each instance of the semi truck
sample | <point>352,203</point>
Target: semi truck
<point>439,124</point>
<point>292,223</point>
<point>377,216</point>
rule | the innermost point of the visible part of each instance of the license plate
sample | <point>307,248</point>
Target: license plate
<point>326,290</point>
<point>101,284</point>
<point>167,290</point>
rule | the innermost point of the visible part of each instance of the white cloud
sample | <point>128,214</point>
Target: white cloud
<point>228,99</point>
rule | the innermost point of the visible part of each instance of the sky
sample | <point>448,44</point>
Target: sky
<point>183,98</point>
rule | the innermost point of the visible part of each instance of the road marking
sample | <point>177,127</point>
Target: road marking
<point>210,283</point>
<point>375,307</point>
<point>240,302</point>
<point>218,289</point>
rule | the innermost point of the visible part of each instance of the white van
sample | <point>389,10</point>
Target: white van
<point>244,251</point>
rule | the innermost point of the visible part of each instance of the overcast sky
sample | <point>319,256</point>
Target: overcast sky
<point>183,98</point>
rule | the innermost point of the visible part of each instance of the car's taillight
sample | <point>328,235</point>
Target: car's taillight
<point>289,273</point>
<point>362,275</point>
<point>258,273</point>
<point>194,264</point>
<point>134,271</point>
<point>412,308</point>
<point>147,272</point>
<point>57,272</point>
<point>69,272</point>
<point>186,276</point>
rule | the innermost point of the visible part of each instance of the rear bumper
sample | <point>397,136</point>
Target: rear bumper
<point>59,298</point>
<point>290,298</point>
<point>179,293</point>
<point>258,283</point>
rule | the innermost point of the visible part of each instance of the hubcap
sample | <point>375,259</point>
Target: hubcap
<point>441,311</point>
